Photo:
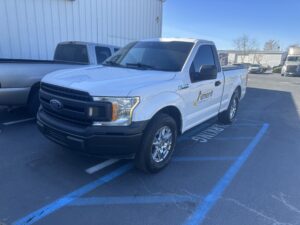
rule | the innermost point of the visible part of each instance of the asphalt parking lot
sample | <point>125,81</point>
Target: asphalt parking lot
<point>243,174</point>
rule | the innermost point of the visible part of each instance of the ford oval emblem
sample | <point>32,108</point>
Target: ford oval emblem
<point>56,105</point>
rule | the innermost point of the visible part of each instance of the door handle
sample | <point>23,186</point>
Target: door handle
<point>218,83</point>
<point>184,86</point>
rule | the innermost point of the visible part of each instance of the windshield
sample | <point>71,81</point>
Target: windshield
<point>164,56</point>
<point>74,53</point>
<point>293,59</point>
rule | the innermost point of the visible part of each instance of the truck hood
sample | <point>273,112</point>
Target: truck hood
<point>106,81</point>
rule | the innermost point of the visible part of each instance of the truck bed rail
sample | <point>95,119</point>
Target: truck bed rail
<point>36,61</point>
<point>227,68</point>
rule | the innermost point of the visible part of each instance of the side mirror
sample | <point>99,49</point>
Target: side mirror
<point>207,72</point>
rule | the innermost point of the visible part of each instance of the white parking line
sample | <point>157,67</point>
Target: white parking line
<point>18,121</point>
<point>101,166</point>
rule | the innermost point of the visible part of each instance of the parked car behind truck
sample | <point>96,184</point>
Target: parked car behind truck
<point>256,68</point>
<point>140,100</point>
<point>20,79</point>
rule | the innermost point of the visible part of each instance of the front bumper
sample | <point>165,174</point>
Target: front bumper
<point>117,142</point>
<point>14,96</point>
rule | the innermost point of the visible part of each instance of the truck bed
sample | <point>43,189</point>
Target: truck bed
<point>35,61</point>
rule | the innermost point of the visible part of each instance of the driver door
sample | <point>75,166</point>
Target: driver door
<point>204,94</point>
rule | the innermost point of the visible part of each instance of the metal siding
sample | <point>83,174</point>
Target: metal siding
<point>32,28</point>
<point>5,50</point>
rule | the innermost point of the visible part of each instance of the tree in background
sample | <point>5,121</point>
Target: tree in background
<point>258,58</point>
<point>245,44</point>
<point>272,45</point>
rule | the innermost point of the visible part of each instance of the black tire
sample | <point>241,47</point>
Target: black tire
<point>33,102</point>
<point>144,158</point>
<point>226,117</point>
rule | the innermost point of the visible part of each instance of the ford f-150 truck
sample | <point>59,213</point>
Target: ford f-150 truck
<point>20,79</point>
<point>139,101</point>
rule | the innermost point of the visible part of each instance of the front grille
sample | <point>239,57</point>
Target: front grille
<point>291,69</point>
<point>74,105</point>
<point>66,92</point>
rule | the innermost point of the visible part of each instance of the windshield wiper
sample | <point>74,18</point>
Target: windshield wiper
<point>111,63</point>
<point>140,65</point>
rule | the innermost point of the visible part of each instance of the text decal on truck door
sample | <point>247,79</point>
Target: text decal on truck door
<point>203,96</point>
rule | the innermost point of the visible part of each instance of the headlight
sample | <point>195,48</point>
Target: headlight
<point>121,112</point>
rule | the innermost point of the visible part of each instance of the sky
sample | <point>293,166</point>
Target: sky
<point>222,21</point>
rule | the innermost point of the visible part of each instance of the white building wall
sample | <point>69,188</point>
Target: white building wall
<point>30,29</point>
<point>231,58</point>
<point>266,58</point>
<point>261,58</point>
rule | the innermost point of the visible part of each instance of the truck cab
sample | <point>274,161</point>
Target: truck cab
<point>292,63</point>
<point>140,100</point>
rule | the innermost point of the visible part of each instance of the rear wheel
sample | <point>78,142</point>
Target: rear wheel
<point>228,116</point>
<point>158,144</point>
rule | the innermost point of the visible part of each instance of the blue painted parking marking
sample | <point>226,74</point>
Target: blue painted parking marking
<point>210,200</point>
<point>195,158</point>
<point>133,200</point>
<point>233,138</point>
<point>75,198</point>
<point>246,125</point>
<point>67,199</point>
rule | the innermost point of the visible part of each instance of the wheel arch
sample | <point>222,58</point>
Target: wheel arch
<point>34,87</point>
<point>175,113</point>
<point>239,89</point>
<point>166,102</point>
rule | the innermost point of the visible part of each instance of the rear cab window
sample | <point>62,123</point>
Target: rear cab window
<point>73,53</point>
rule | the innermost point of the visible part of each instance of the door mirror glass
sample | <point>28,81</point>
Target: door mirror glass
<point>207,72</point>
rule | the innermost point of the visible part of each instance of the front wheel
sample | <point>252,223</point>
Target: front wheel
<point>228,116</point>
<point>158,144</point>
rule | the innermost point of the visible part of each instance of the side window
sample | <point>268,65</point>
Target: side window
<point>102,53</point>
<point>204,56</point>
<point>116,49</point>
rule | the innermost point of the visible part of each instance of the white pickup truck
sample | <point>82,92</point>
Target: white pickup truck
<point>139,101</point>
